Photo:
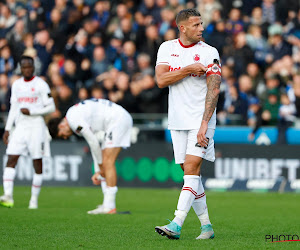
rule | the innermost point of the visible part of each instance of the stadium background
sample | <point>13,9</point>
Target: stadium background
<point>107,49</point>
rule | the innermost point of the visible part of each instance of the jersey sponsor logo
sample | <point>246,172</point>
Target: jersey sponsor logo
<point>173,69</point>
<point>28,99</point>
<point>196,58</point>
<point>175,55</point>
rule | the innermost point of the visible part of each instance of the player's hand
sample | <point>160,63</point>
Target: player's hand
<point>95,179</point>
<point>197,69</point>
<point>25,111</point>
<point>5,137</point>
<point>201,136</point>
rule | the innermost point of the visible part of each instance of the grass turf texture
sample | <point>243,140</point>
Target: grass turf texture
<point>240,220</point>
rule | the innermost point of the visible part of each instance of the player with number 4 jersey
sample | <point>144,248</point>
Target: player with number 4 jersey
<point>87,119</point>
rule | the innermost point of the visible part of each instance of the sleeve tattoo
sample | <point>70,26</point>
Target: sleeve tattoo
<point>212,96</point>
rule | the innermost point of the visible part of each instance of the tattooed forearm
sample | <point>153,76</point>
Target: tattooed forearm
<point>212,96</point>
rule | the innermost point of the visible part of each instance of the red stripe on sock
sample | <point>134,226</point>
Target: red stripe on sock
<point>8,180</point>
<point>200,196</point>
<point>36,186</point>
<point>189,189</point>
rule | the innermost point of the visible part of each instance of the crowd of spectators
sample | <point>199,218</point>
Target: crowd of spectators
<point>107,49</point>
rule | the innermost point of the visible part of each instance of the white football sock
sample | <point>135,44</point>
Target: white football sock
<point>8,181</point>
<point>200,206</point>
<point>186,198</point>
<point>110,197</point>
<point>103,184</point>
<point>36,185</point>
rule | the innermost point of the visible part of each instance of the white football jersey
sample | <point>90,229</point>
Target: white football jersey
<point>187,96</point>
<point>93,114</point>
<point>33,95</point>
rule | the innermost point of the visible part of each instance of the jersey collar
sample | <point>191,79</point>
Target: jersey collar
<point>186,46</point>
<point>29,79</point>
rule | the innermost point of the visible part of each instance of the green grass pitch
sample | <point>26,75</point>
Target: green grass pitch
<point>240,220</point>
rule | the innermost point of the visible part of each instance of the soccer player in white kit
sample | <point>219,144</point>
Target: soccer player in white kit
<point>30,101</point>
<point>191,70</point>
<point>87,119</point>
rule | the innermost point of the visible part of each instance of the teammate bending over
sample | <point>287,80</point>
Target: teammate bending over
<point>30,101</point>
<point>86,119</point>
<point>191,70</point>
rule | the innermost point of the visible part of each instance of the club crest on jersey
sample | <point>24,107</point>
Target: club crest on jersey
<point>32,89</point>
<point>196,58</point>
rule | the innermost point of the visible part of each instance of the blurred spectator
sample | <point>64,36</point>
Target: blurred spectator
<point>258,44</point>
<point>257,19</point>
<point>144,64</point>
<point>6,60</point>
<point>127,61</point>
<point>258,84</point>
<point>239,54</point>
<point>168,21</point>
<point>7,20</point>
<point>148,94</point>
<point>97,92</point>
<point>99,62</point>
<point>170,35</point>
<point>279,47</point>
<point>65,99</point>
<point>124,32</point>
<point>219,38</point>
<point>57,28</point>
<point>36,19</point>
<point>287,111</point>
<point>122,12</point>
<point>234,24</point>
<point>268,11</point>
<point>15,39</point>
<point>101,14</point>
<point>271,108</point>
<point>238,105</point>
<point>151,43</point>
<point>123,95</point>
<point>206,8</point>
<point>114,50</point>
<point>4,92</point>
<point>70,74</point>
<point>296,89</point>
<point>150,9</point>
<point>83,94</point>
<point>45,47</point>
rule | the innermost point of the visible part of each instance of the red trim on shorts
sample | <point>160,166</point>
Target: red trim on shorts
<point>186,46</point>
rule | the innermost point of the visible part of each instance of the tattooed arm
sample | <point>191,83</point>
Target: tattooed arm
<point>213,89</point>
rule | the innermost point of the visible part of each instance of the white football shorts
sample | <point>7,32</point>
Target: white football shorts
<point>118,132</point>
<point>27,140</point>
<point>184,142</point>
